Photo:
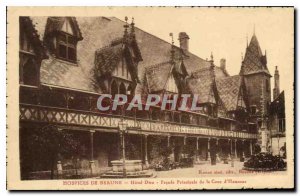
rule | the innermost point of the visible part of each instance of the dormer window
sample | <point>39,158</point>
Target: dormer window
<point>61,37</point>
<point>66,47</point>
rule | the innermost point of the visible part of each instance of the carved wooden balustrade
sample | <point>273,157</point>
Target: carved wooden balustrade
<point>96,120</point>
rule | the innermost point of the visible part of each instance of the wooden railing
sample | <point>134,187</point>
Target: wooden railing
<point>63,116</point>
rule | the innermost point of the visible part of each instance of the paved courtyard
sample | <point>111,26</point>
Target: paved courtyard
<point>207,170</point>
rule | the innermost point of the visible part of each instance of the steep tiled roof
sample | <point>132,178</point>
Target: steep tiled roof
<point>254,61</point>
<point>107,59</point>
<point>229,90</point>
<point>98,32</point>
<point>201,83</point>
<point>157,76</point>
<point>63,74</point>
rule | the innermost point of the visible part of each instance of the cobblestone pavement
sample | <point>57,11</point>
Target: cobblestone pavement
<point>206,170</point>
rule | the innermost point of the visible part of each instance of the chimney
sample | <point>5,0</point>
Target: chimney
<point>184,41</point>
<point>276,89</point>
<point>223,64</point>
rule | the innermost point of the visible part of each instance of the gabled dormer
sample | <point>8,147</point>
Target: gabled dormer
<point>231,91</point>
<point>61,37</point>
<point>116,65</point>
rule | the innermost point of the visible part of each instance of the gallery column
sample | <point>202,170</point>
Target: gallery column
<point>230,146</point>
<point>251,147</point>
<point>217,151</point>
<point>235,149</point>
<point>92,162</point>
<point>243,150</point>
<point>146,150</point>
<point>208,150</point>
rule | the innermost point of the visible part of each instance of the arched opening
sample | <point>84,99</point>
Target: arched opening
<point>30,73</point>
<point>129,90</point>
<point>122,89</point>
<point>114,88</point>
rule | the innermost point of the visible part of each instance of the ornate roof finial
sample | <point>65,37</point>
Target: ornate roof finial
<point>172,48</point>
<point>171,35</point>
<point>211,57</point>
<point>132,26</point>
<point>126,26</point>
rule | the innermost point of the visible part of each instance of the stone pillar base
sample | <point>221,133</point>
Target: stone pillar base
<point>92,167</point>
<point>218,158</point>
<point>59,169</point>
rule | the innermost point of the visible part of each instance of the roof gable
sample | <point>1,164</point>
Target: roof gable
<point>229,91</point>
<point>254,61</point>
<point>201,83</point>
<point>157,76</point>
<point>67,27</point>
<point>66,24</point>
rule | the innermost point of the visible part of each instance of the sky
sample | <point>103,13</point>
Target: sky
<point>221,31</point>
<point>224,32</point>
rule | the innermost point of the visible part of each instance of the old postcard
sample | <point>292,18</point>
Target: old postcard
<point>150,98</point>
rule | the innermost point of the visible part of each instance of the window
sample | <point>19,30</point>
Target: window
<point>281,125</point>
<point>66,47</point>
<point>25,44</point>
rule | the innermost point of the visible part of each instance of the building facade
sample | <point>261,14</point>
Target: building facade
<point>67,62</point>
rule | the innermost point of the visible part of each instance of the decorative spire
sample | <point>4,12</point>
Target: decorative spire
<point>212,57</point>
<point>126,27</point>
<point>276,89</point>
<point>212,66</point>
<point>172,48</point>
<point>242,65</point>
<point>132,25</point>
<point>172,38</point>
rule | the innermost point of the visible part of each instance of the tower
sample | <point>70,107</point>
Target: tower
<point>255,71</point>
<point>264,133</point>
<point>276,90</point>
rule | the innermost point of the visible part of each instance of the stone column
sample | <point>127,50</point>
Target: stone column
<point>243,150</point>
<point>235,149</point>
<point>208,150</point>
<point>92,162</point>
<point>217,153</point>
<point>230,146</point>
<point>184,144</point>
<point>251,147</point>
<point>146,151</point>
<point>197,150</point>
<point>169,140</point>
<point>59,169</point>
